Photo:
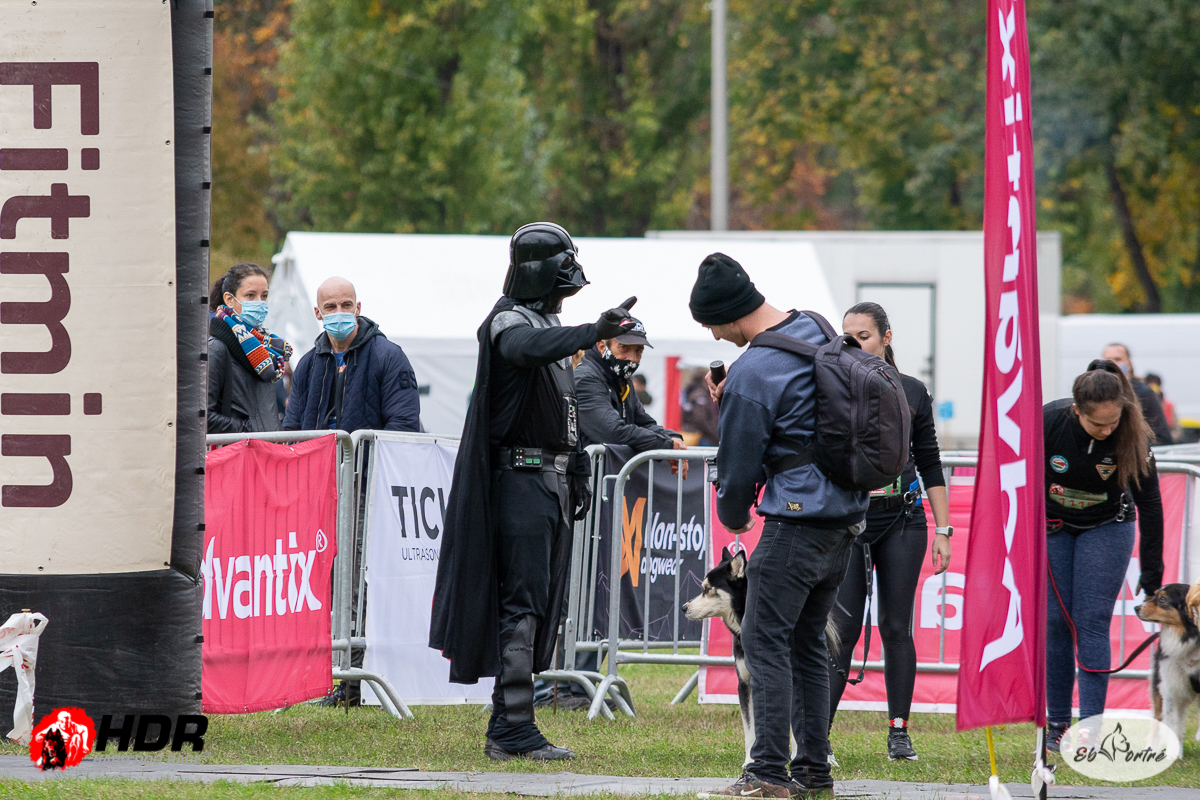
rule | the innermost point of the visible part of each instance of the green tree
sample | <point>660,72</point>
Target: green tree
<point>245,34</point>
<point>404,116</point>
<point>620,88</point>
<point>881,101</point>
<point>1119,127</point>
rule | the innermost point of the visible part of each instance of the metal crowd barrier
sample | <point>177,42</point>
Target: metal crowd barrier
<point>355,477</point>
<point>343,571</point>
<point>625,652</point>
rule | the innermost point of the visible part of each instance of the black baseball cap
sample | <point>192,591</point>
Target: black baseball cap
<point>635,336</point>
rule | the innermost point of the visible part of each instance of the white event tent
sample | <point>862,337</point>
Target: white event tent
<point>429,294</point>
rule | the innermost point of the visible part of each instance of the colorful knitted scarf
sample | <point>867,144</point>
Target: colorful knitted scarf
<point>266,353</point>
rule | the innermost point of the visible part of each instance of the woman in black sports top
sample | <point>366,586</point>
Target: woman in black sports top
<point>1099,469</point>
<point>894,543</point>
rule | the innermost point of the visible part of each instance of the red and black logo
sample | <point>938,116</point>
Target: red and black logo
<point>62,739</point>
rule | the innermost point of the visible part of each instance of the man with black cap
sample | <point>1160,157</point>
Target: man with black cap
<point>520,477</point>
<point>610,411</point>
<point>767,415</point>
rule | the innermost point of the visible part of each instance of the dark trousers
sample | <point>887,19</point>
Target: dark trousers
<point>533,535</point>
<point>793,579</point>
<point>897,555</point>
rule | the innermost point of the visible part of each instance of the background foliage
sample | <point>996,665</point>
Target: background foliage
<point>474,116</point>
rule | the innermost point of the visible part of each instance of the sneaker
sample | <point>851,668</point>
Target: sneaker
<point>546,752</point>
<point>802,792</point>
<point>900,745</point>
<point>346,693</point>
<point>750,786</point>
<point>1054,735</point>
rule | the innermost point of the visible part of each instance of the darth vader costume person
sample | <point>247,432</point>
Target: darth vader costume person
<point>520,478</point>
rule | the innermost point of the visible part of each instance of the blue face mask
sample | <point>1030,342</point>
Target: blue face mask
<point>254,312</point>
<point>340,325</point>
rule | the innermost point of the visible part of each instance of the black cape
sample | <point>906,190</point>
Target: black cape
<point>465,625</point>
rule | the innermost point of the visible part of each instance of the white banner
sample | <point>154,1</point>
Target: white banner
<point>87,270</point>
<point>409,489</point>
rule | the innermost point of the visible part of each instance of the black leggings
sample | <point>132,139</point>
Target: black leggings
<point>897,556</point>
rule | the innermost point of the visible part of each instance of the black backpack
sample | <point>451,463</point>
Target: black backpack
<point>863,430</point>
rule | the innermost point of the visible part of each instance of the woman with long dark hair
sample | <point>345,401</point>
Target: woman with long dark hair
<point>1100,477</point>
<point>894,545</point>
<point>244,358</point>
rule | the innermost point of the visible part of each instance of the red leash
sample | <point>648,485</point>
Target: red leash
<point>1075,640</point>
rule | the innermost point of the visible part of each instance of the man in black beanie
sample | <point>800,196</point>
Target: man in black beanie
<point>767,419</point>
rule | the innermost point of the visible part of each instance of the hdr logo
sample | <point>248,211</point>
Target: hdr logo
<point>153,732</point>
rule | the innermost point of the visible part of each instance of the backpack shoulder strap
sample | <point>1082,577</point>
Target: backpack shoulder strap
<point>781,341</point>
<point>823,324</point>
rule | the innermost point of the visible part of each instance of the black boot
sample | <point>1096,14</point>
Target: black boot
<point>516,672</point>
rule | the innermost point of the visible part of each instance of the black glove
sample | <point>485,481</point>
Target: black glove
<point>612,323</point>
<point>581,486</point>
<point>1150,583</point>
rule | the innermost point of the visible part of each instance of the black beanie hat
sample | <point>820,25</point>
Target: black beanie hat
<point>723,292</point>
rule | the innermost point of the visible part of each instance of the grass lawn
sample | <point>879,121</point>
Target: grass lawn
<point>669,741</point>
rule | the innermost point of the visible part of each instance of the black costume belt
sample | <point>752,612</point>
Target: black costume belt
<point>534,459</point>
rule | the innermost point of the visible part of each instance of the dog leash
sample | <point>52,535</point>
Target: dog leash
<point>869,565</point>
<point>1075,639</point>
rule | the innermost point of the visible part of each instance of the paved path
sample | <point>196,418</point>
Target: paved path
<point>538,784</point>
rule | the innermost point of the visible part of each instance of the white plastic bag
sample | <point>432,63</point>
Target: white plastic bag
<point>18,649</point>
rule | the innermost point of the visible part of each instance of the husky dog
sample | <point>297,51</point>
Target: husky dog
<point>1175,667</point>
<point>723,594</point>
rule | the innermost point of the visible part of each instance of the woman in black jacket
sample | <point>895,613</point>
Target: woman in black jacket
<point>894,543</point>
<point>244,359</point>
<point>1099,469</point>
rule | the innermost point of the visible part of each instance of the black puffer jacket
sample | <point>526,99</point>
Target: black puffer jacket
<point>253,407</point>
<point>610,411</point>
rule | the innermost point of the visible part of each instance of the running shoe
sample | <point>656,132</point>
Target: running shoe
<point>900,745</point>
<point>802,792</point>
<point>750,786</point>
<point>546,752</point>
<point>1054,735</point>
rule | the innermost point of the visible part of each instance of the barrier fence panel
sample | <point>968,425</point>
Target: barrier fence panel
<point>610,612</point>
<point>343,566</point>
<point>937,616</point>
<point>624,558</point>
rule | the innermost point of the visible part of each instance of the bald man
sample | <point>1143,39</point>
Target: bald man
<point>354,378</point>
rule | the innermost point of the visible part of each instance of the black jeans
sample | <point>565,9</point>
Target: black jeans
<point>793,580</point>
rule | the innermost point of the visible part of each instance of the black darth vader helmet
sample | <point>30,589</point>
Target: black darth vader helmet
<point>542,264</point>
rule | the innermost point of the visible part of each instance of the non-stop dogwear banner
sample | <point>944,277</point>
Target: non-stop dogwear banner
<point>1002,673</point>
<point>270,542</point>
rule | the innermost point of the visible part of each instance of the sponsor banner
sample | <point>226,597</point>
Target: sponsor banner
<point>87,221</point>
<point>270,542</point>
<point>410,484</point>
<point>1002,677</point>
<point>648,560</point>
<point>936,693</point>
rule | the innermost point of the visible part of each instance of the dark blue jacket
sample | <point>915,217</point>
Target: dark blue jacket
<point>771,394</point>
<point>380,391</point>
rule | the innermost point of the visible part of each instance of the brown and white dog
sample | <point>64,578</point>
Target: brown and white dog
<point>1175,666</point>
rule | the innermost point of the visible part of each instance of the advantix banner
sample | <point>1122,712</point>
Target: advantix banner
<point>104,197</point>
<point>648,543</point>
